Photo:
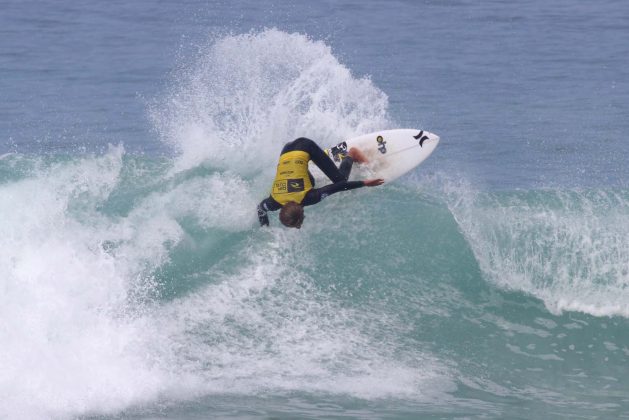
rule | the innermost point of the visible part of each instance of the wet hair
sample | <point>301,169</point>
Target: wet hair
<point>292,214</point>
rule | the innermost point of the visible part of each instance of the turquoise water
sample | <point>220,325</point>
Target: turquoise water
<point>138,138</point>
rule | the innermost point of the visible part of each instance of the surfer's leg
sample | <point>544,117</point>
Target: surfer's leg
<point>318,156</point>
<point>346,166</point>
<point>290,146</point>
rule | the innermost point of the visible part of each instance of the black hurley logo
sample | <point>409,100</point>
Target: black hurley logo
<point>420,136</point>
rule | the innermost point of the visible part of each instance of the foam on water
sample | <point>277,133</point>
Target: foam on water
<point>64,340</point>
<point>265,326</point>
<point>78,337</point>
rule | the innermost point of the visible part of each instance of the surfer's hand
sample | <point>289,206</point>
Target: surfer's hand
<point>373,182</point>
<point>262,216</point>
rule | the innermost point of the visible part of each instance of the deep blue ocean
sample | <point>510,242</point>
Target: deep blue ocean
<point>137,137</point>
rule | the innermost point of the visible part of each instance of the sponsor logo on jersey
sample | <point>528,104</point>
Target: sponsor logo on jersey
<point>280,186</point>
<point>295,185</point>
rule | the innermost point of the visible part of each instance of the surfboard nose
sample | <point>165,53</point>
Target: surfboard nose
<point>431,142</point>
<point>429,145</point>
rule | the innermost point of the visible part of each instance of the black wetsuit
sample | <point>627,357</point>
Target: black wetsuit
<point>339,177</point>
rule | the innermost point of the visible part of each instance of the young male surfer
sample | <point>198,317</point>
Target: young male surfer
<point>293,187</point>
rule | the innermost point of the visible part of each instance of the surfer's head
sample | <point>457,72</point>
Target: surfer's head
<point>292,215</point>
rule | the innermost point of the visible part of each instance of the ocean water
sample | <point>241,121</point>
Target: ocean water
<point>136,139</point>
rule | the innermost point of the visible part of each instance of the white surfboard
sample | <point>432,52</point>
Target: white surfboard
<point>391,153</point>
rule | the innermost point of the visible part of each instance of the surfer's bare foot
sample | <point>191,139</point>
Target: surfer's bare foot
<point>357,155</point>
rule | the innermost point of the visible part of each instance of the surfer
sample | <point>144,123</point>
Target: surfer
<point>293,187</point>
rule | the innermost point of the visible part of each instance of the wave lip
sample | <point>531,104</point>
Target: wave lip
<point>569,248</point>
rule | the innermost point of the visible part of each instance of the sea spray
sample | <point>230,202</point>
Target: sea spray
<point>246,95</point>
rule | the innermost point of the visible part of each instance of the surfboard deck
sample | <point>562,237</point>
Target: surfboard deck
<point>390,153</point>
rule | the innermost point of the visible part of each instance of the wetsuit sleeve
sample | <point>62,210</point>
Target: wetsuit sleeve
<point>317,194</point>
<point>268,204</point>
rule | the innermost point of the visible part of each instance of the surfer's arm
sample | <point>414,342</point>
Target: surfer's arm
<point>317,194</point>
<point>319,158</point>
<point>266,205</point>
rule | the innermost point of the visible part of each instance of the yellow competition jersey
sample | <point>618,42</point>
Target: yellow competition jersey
<point>292,181</point>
